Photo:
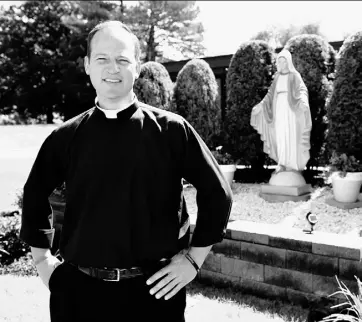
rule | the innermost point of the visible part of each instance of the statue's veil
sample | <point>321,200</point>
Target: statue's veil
<point>288,56</point>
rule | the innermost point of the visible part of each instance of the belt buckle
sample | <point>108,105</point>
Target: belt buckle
<point>118,277</point>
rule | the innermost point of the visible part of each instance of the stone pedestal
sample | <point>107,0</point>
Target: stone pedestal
<point>286,186</point>
<point>344,205</point>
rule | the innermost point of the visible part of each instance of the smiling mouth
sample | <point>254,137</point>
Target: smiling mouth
<point>108,80</point>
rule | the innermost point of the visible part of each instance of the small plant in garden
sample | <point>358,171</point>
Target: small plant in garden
<point>11,246</point>
<point>341,163</point>
<point>222,157</point>
<point>352,310</point>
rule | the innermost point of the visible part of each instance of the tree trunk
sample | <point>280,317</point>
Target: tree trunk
<point>122,8</point>
<point>151,51</point>
<point>49,114</point>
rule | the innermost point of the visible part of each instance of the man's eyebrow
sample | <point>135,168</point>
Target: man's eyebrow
<point>118,56</point>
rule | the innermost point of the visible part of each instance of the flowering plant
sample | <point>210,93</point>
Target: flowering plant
<point>341,163</point>
<point>222,157</point>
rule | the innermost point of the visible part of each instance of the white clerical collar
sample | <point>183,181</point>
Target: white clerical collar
<point>112,114</point>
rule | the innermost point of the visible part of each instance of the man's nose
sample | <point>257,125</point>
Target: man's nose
<point>113,67</point>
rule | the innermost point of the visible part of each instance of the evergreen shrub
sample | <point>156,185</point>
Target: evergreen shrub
<point>345,108</point>
<point>196,99</point>
<point>154,86</point>
<point>248,79</point>
<point>314,59</point>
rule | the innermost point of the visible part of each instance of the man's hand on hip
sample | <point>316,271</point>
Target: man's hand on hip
<point>45,263</point>
<point>174,276</point>
<point>46,267</point>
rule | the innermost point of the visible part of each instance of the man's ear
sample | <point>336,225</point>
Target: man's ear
<point>86,65</point>
<point>138,69</point>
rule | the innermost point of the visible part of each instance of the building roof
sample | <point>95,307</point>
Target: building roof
<point>219,63</point>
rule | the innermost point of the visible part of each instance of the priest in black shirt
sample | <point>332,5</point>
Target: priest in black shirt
<point>122,162</point>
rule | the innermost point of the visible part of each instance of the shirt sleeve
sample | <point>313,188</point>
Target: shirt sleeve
<point>46,174</point>
<point>213,197</point>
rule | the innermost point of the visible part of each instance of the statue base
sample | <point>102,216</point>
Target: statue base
<point>344,205</point>
<point>285,190</point>
<point>286,186</point>
<point>283,198</point>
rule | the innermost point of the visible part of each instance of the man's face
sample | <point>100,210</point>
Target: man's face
<point>282,64</point>
<point>112,65</point>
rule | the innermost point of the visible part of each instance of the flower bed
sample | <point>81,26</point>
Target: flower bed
<point>249,206</point>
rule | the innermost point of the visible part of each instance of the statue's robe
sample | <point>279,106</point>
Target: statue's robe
<point>264,121</point>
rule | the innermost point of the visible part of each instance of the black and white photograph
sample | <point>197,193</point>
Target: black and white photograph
<point>180,161</point>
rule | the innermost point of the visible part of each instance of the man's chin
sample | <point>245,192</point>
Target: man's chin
<point>112,92</point>
<point>113,97</point>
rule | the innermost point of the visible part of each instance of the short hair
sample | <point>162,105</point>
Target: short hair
<point>113,23</point>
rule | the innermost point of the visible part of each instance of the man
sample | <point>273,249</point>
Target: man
<point>122,162</point>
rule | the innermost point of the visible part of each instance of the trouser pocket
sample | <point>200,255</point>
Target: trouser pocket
<point>55,277</point>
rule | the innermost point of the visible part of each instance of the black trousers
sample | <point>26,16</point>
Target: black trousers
<point>75,296</point>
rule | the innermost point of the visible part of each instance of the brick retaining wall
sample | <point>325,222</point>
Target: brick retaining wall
<point>275,261</point>
<point>272,260</point>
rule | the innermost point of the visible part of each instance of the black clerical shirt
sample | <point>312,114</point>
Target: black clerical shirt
<point>123,181</point>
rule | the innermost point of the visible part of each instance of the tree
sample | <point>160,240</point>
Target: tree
<point>41,65</point>
<point>310,29</point>
<point>270,35</point>
<point>344,110</point>
<point>161,25</point>
<point>78,93</point>
<point>249,76</point>
<point>154,85</point>
<point>196,99</point>
<point>30,59</point>
<point>314,58</point>
<point>43,43</point>
<point>279,36</point>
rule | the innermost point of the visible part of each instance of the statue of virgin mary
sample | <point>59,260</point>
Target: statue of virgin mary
<point>283,117</point>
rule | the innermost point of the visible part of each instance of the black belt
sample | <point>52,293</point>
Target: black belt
<point>117,274</point>
<point>110,274</point>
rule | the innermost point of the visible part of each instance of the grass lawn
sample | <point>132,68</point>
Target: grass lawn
<point>249,206</point>
<point>26,299</point>
<point>19,145</point>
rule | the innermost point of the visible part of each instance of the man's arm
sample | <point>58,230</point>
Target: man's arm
<point>214,200</point>
<point>46,174</point>
<point>214,195</point>
<point>198,254</point>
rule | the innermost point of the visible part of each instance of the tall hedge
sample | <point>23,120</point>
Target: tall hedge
<point>196,98</point>
<point>154,85</point>
<point>314,59</point>
<point>249,76</point>
<point>345,108</point>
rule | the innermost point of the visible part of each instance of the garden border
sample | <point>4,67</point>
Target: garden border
<point>271,260</point>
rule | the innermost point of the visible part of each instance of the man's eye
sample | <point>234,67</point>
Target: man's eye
<point>101,58</point>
